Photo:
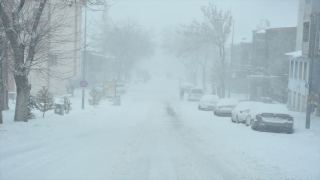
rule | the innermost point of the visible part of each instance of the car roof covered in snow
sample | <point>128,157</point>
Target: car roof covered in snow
<point>227,101</point>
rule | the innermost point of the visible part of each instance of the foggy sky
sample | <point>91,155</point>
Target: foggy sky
<point>170,13</point>
<point>167,14</point>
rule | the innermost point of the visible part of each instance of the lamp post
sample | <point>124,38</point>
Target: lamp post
<point>312,44</point>
<point>84,55</point>
<point>231,59</point>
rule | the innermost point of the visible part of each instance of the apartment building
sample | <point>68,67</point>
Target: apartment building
<point>58,56</point>
<point>61,57</point>
<point>305,60</point>
<point>269,44</point>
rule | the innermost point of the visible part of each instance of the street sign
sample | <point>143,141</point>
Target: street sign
<point>110,88</point>
<point>83,83</point>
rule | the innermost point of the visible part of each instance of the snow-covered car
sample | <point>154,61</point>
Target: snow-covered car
<point>242,110</point>
<point>225,106</point>
<point>121,88</point>
<point>208,102</point>
<point>195,94</point>
<point>272,116</point>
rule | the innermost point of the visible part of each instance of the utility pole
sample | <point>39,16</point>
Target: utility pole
<point>231,59</point>
<point>84,55</point>
<point>313,30</point>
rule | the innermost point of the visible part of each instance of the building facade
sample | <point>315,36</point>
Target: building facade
<point>305,62</point>
<point>58,55</point>
<point>269,62</point>
<point>60,58</point>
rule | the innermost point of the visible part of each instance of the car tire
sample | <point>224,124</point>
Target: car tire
<point>248,121</point>
<point>232,119</point>
<point>214,112</point>
<point>253,125</point>
<point>289,130</point>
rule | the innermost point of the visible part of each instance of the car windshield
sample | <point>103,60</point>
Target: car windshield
<point>159,90</point>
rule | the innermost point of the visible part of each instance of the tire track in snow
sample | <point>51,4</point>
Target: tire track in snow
<point>194,162</point>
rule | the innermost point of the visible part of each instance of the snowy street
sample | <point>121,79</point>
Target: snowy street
<point>153,135</point>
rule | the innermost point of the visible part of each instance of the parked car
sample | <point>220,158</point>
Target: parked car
<point>208,102</point>
<point>272,116</point>
<point>195,94</point>
<point>242,110</point>
<point>121,88</point>
<point>224,106</point>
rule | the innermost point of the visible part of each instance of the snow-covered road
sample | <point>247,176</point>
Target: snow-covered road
<point>153,135</point>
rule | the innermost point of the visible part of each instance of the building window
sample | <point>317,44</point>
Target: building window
<point>298,101</point>
<point>294,101</point>
<point>289,97</point>
<point>53,60</point>
<point>291,68</point>
<point>305,70</point>
<point>296,69</point>
<point>306,32</point>
<point>308,1</point>
<point>300,70</point>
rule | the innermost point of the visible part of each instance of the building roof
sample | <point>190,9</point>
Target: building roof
<point>281,28</point>
<point>243,40</point>
<point>261,31</point>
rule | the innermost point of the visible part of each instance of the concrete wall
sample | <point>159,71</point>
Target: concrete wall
<point>65,44</point>
<point>298,89</point>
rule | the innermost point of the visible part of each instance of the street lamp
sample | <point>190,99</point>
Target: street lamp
<point>84,55</point>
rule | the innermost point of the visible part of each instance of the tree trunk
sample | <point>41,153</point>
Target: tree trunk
<point>3,52</point>
<point>1,104</point>
<point>223,73</point>
<point>204,86</point>
<point>23,93</point>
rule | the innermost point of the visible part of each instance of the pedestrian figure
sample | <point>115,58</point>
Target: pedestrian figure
<point>71,90</point>
<point>181,94</point>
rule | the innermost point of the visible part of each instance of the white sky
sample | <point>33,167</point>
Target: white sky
<point>170,13</point>
<point>166,14</point>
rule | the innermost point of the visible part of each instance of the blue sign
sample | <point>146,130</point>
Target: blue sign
<point>83,83</point>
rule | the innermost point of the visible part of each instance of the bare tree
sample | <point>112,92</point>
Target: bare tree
<point>33,37</point>
<point>216,29</point>
<point>127,42</point>
<point>3,52</point>
<point>174,43</point>
<point>194,43</point>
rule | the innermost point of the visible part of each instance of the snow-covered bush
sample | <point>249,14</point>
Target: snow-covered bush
<point>67,104</point>
<point>96,97</point>
<point>31,106</point>
<point>45,100</point>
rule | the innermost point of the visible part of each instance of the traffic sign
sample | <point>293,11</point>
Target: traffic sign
<point>83,83</point>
